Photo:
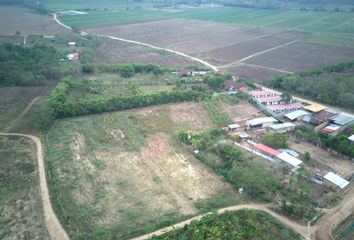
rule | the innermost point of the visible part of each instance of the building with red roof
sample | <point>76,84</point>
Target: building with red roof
<point>262,94</point>
<point>266,149</point>
<point>281,108</point>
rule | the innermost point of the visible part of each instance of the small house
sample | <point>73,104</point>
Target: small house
<point>243,136</point>
<point>334,181</point>
<point>315,108</point>
<point>262,94</point>
<point>233,127</point>
<point>266,150</point>
<point>322,117</point>
<point>72,44</point>
<point>282,108</point>
<point>186,72</point>
<point>291,161</point>
<point>270,100</point>
<point>282,127</point>
<point>296,115</point>
<point>260,122</point>
<point>234,87</point>
<point>73,56</point>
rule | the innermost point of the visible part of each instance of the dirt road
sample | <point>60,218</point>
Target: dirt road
<point>297,227</point>
<point>54,227</point>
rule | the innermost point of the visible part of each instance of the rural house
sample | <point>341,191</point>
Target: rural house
<point>282,108</point>
<point>270,100</point>
<point>334,181</point>
<point>262,94</point>
<point>296,115</point>
<point>322,117</point>
<point>186,72</point>
<point>282,128</point>
<point>315,108</point>
<point>260,122</point>
<point>234,87</point>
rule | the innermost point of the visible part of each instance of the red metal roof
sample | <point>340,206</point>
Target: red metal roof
<point>260,93</point>
<point>269,99</point>
<point>267,149</point>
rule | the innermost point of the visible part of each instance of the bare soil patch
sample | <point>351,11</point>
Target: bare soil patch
<point>340,166</point>
<point>192,114</point>
<point>241,112</point>
<point>303,56</point>
<point>13,19</point>
<point>255,73</point>
<point>238,51</point>
<point>188,36</point>
<point>112,51</point>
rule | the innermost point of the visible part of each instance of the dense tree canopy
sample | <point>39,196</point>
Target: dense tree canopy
<point>28,66</point>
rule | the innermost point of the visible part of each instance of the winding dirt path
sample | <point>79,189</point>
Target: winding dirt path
<point>54,227</point>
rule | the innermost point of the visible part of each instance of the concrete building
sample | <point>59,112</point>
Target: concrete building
<point>296,115</point>
<point>282,127</point>
<point>260,122</point>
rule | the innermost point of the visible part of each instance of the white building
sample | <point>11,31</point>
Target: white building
<point>260,122</point>
<point>334,181</point>
<point>282,127</point>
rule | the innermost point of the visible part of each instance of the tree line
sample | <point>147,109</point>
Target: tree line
<point>331,85</point>
<point>28,66</point>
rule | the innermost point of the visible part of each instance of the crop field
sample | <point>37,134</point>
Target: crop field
<point>20,203</point>
<point>335,39</point>
<point>117,52</point>
<point>109,169</point>
<point>253,72</point>
<point>303,56</point>
<point>18,19</point>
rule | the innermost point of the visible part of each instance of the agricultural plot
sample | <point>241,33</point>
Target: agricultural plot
<point>20,202</point>
<point>116,52</point>
<point>18,19</point>
<point>303,56</point>
<point>122,174</point>
<point>255,73</point>
<point>334,39</point>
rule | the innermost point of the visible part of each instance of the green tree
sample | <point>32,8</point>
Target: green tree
<point>127,71</point>
<point>276,140</point>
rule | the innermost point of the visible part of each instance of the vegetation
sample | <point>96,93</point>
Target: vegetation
<point>239,225</point>
<point>28,66</point>
<point>339,143</point>
<point>331,85</point>
<point>276,140</point>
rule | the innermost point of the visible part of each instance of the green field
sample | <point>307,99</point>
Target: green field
<point>300,20</point>
<point>335,39</point>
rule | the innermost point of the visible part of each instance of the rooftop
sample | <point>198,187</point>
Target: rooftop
<point>336,180</point>
<point>342,119</point>
<point>261,93</point>
<point>233,126</point>
<point>269,99</point>
<point>267,149</point>
<point>262,120</point>
<point>282,125</point>
<point>324,115</point>
<point>296,114</point>
<point>234,84</point>
<point>293,161</point>
<point>330,128</point>
<point>285,106</point>
<point>315,108</point>
<point>351,138</point>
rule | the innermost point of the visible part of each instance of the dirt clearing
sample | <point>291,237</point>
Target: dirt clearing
<point>241,112</point>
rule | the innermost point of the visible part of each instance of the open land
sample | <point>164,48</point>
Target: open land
<point>111,168</point>
<point>111,51</point>
<point>20,203</point>
<point>13,19</point>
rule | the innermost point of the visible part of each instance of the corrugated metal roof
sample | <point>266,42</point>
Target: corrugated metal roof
<point>258,121</point>
<point>269,99</point>
<point>282,125</point>
<point>267,149</point>
<point>261,93</point>
<point>342,119</point>
<point>351,138</point>
<point>336,180</point>
<point>289,159</point>
<point>296,114</point>
<point>285,106</point>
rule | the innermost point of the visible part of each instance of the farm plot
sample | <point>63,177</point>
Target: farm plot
<point>255,73</point>
<point>238,51</point>
<point>122,174</point>
<point>17,19</point>
<point>14,100</point>
<point>117,52</point>
<point>335,39</point>
<point>188,36</point>
<point>241,112</point>
<point>20,202</point>
<point>303,56</point>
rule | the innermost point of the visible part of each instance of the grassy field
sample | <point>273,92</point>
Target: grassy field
<point>335,39</point>
<point>123,174</point>
<point>20,204</point>
<point>106,85</point>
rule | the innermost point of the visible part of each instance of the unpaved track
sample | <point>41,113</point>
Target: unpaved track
<point>54,227</point>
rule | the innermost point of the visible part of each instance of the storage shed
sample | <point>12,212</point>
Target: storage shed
<point>334,181</point>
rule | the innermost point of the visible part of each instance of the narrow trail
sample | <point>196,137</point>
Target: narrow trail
<point>54,227</point>
<point>23,113</point>
<point>321,230</point>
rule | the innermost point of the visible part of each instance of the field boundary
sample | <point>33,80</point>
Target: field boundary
<point>55,229</point>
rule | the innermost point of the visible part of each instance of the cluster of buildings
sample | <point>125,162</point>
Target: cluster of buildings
<point>274,104</point>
